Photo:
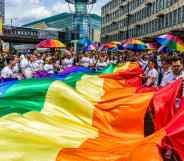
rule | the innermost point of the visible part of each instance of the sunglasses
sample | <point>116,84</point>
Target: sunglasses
<point>176,66</point>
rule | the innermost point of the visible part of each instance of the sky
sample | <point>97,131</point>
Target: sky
<point>25,11</point>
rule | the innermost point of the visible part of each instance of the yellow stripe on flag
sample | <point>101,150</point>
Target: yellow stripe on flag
<point>65,122</point>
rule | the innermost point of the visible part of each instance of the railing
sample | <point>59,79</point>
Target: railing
<point>28,33</point>
<point>20,32</point>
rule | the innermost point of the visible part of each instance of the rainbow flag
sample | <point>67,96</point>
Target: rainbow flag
<point>98,117</point>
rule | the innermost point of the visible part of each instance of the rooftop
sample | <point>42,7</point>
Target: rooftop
<point>58,17</point>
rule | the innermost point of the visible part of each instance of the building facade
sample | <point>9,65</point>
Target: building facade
<point>122,19</point>
<point>64,23</point>
<point>2,9</point>
<point>81,16</point>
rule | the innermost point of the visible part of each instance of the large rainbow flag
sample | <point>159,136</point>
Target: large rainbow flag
<point>90,117</point>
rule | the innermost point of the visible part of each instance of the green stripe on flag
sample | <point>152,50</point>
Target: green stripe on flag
<point>24,96</point>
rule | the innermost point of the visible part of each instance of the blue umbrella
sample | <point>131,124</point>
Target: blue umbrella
<point>85,42</point>
<point>137,47</point>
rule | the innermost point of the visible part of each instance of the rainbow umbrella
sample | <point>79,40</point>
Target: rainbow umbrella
<point>90,47</point>
<point>165,49</point>
<point>134,45</point>
<point>115,43</point>
<point>50,43</point>
<point>171,41</point>
<point>109,46</point>
<point>152,46</point>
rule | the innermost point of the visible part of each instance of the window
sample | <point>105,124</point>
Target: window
<point>170,19</point>
<point>175,17</point>
<point>179,15</point>
<point>183,14</point>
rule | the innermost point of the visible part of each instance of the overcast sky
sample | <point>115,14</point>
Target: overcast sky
<point>24,11</point>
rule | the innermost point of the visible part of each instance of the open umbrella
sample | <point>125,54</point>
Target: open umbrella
<point>171,41</point>
<point>115,42</point>
<point>152,46</point>
<point>165,49</point>
<point>91,47</point>
<point>134,45</point>
<point>109,46</point>
<point>85,42</point>
<point>50,43</point>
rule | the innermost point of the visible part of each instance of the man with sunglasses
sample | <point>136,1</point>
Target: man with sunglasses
<point>177,68</point>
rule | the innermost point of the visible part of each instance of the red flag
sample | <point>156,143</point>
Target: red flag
<point>175,131</point>
<point>164,102</point>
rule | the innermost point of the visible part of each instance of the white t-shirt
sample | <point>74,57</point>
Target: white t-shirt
<point>7,72</point>
<point>49,68</point>
<point>101,64</point>
<point>68,62</point>
<point>112,61</point>
<point>167,78</point>
<point>86,61</point>
<point>35,66</point>
<point>26,68</point>
<point>153,74</point>
<point>24,63</point>
<point>16,69</point>
<point>40,64</point>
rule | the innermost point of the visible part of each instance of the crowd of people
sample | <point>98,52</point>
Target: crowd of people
<point>160,69</point>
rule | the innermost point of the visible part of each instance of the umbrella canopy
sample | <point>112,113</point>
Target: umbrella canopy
<point>152,46</point>
<point>165,49</point>
<point>50,43</point>
<point>134,44</point>
<point>109,45</point>
<point>91,47</point>
<point>85,42</point>
<point>171,41</point>
<point>115,43</point>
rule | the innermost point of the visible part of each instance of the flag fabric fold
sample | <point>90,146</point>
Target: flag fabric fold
<point>88,116</point>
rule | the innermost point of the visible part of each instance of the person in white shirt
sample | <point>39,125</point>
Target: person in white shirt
<point>40,64</point>
<point>151,75</point>
<point>35,64</point>
<point>49,67</point>
<point>144,62</point>
<point>68,61</point>
<point>101,63</point>
<point>25,66</point>
<point>167,74</point>
<point>86,61</point>
<point>7,72</point>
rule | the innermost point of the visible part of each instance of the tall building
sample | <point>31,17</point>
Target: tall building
<point>64,23</point>
<point>2,9</point>
<point>81,21</point>
<point>122,19</point>
<point>75,25</point>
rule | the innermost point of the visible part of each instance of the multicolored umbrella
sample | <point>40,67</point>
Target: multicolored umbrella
<point>171,41</point>
<point>165,49</point>
<point>109,45</point>
<point>91,47</point>
<point>152,46</point>
<point>134,44</point>
<point>115,42</point>
<point>50,43</point>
